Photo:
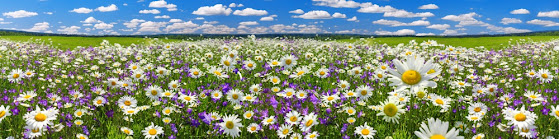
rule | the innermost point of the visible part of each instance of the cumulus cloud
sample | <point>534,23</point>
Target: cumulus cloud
<point>507,21</point>
<point>374,8</point>
<point>69,30</point>
<point>181,26</point>
<point>428,6</point>
<point>439,26</point>
<point>175,20</point>
<point>109,8</point>
<point>248,23</point>
<point>82,10</point>
<point>103,26</point>
<point>338,15</point>
<point>298,11</point>
<point>315,15</point>
<point>462,17</point>
<point>545,23</point>
<point>406,14</point>
<point>151,26</point>
<point>506,29</point>
<point>19,14</point>
<point>337,3</point>
<point>152,11</point>
<point>554,14</point>
<point>353,19</point>
<point>268,18</point>
<point>398,23</point>
<point>520,11</point>
<point>163,16</point>
<point>396,33</point>
<point>217,9</point>
<point>425,34</point>
<point>163,4</point>
<point>133,23</point>
<point>250,12</point>
<point>39,27</point>
<point>90,20</point>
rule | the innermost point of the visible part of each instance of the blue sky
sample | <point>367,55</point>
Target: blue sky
<point>380,17</point>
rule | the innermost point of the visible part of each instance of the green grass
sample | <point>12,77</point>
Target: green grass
<point>63,42</point>
<point>487,42</point>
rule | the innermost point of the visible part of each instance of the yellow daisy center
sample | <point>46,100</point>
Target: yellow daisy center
<point>127,131</point>
<point>288,61</point>
<point>153,92</point>
<point>300,73</point>
<point>364,92</point>
<point>294,118</point>
<point>437,136</point>
<point>532,73</point>
<point>322,73</point>
<point>350,111</point>
<point>229,124</point>
<point>420,94</point>
<point>16,75</point>
<point>226,63</point>
<point>556,113</point>
<point>253,128</point>
<point>411,77</point>
<point>383,67</point>
<point>390,109</point>
<point>2,113</point>
<point>40,117</point>
<point>235,96</point>
<point>309,123</point>
<point>79,113</point>
<point>365,132</point>
<point>285,131</point>
<point>187,98</point>
<point>330,98</point>
<point>439,101</point>
<point>520,117</point>
<point>217,73</point>
<point>127,103</point>
<point>477,109</point>
<point>544,76</point>
<point>152,131</point>
<point>250,65</point>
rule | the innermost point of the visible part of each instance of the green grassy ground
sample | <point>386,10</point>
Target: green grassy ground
<point>72,42</point>
<point>487,42</point>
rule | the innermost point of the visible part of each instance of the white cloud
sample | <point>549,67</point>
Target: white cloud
<point>298,11</point>
<point>248,23</point>
<point>353,31</point>
<point>554,14</point>
<point>175,20</point>
<point>38,27</point>
<point>545,23</point>
<point>398,23</point>
<point>163,4</point>
<point>406,14</point>
<point>163,16</point>
<point>217,9</point>
<point>450,32</point>
<point>353,19</point>
<point>199,18</point>
<point>315,15</point>
<point>150,26</point>
<point>507,21</point>
<point>425,34</point>
<point>462,17</point>
<point>268,18</point>
<point>520,11</point>
<point>49,13</point>
<point>109,8</point>
<point>428,6</point>
<point>506,29</point>
<point>338,15</point>
<point>82,10</point>
<point>337,3</point>
<point>439,26</point>
<point>19,14</point>
<point>69,30</point>
<point>181,25</point>
<point>1,19</point>
<point>133,23</point>
<point>374,8</point>
<point>103,26</point>
<point>250,12</point>
<point>90,20</point>
<point>397,33</point>
<point>233,5</point>
<point>220,29</point>
<point>152,11</point>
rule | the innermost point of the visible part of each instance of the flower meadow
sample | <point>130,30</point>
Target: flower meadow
<point>279,88</point>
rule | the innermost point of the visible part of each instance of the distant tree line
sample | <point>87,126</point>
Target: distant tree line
<point>289,36</point>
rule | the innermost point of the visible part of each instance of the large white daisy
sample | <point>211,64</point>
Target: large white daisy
<point>412,74</point>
